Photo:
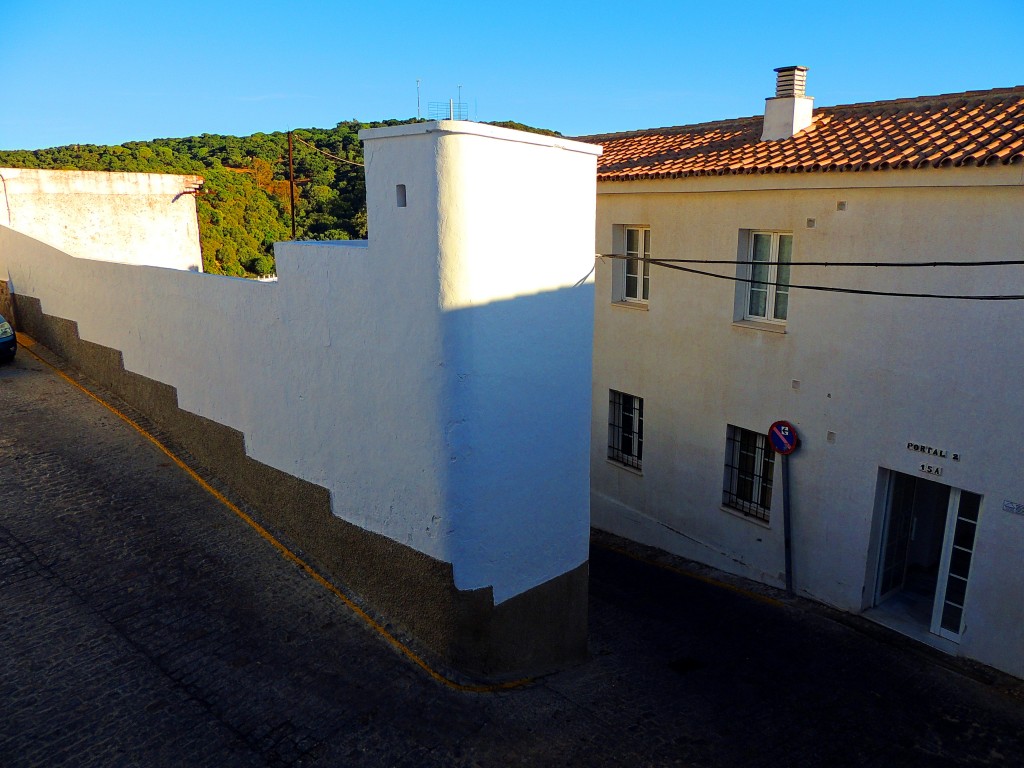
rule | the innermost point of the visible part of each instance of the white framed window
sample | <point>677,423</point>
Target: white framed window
<point>632,281</point>
<point>769,257</point>
<point>749,466</point>
<point>625,428</point>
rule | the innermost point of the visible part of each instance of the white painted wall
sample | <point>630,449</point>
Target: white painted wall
<point>516,376</point>
<point>878,372</point>
<point>131,218</point>
<point>435,379</point>
<point>786,116</point>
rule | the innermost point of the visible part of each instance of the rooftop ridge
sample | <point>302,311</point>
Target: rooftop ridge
<point>976,94</point>
<point>979,95</point>
<point>668,129</point>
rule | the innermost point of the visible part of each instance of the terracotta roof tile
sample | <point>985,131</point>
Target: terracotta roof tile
<point>975,128</point>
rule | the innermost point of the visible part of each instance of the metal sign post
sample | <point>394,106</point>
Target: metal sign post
<point>784,440</point>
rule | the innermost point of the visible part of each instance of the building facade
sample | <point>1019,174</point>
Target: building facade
<point>780,268</point>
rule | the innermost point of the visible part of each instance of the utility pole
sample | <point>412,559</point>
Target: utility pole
<point>291,181</point>
<point>417,98</point>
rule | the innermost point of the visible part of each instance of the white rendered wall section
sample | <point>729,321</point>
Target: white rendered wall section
<point>131,218</point>
<point>513,258</point>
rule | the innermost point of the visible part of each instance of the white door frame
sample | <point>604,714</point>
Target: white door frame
<point>948,539</point>
<point>947,553</point>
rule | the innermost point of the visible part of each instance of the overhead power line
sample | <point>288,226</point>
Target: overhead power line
<point>997,263</point>
<point>328,154</point>
<point>668,264</point>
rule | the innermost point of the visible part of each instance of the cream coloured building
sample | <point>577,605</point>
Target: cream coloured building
<point>739,288</point>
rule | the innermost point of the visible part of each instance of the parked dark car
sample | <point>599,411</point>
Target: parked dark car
<point>8,341</point>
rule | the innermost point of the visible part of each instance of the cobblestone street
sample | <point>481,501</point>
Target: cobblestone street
<point>145,624</point>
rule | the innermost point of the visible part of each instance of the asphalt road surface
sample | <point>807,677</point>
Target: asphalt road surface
<point>145,624</point>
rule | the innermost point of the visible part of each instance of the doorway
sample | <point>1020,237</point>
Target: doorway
<point>925,557</point>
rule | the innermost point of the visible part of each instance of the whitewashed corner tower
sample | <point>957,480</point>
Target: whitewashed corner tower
<point>467,333</point>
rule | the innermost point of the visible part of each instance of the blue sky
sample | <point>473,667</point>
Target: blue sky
<point>105,73</point>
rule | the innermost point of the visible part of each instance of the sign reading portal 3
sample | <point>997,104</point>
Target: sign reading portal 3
<point>939,453</point>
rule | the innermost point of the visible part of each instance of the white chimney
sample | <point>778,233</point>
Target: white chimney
<point>789,112</point>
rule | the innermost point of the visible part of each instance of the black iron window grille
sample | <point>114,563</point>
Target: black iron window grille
<point>625,429</point>
<point>749,462</point>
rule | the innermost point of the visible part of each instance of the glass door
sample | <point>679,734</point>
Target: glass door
<point>896,538</point>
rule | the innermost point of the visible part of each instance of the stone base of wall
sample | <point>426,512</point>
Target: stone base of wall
<point>538,630</point>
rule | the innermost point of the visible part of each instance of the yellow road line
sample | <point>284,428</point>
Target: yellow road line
<point>27,343</point>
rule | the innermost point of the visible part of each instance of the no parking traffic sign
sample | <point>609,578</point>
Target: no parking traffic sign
<point>783,438</point>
